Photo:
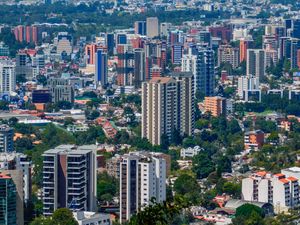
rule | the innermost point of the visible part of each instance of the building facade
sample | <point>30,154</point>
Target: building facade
<point>142,177</point>
<point>69,178</point>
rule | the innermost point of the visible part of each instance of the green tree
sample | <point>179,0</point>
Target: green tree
<point>202,165</point>
<point>63,216</point>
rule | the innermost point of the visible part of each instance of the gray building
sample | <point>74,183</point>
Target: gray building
<point>69,178</point>
<point>61,90</point>
<point>6,138</point>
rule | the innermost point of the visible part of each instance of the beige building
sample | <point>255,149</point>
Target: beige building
<point>152,27</point>
<point>167,105</point>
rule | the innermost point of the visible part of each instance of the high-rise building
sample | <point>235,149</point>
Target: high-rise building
<point>23,65</point>
<point>110,43</point>
<point>19,167</point>
<point>228,54</point>
<point>245,44</point>
<point>142,177</point>
<point>167,105</point>
<point>201,63</point>
<point>69,178</point>
<point>296,28</point>
<point>125,65</point>
<point>140,27</point>
<point>152,27</point>
<point>7,76</point>
<point>8,201</point>
<point>256,63</point>
<point>205,73</point>
<point>248,88</point>
<point>101,68</point>
<point>6,138</point>
<point>177,50</point>
<point>90,51</point>
<point>295,46</point>
<point>155,54</point>
<point>139,66</point>
<point>205,38</point>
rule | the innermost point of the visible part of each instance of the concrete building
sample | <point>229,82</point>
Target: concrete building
<point>7,77</point>
<point>91,218</point>
<point>253,140</point>
<point>256,63</point>
<point>61,90</point>
<point>152,27</point>
<point>142,177</point>
<point>228,54</point>
<point>63,43</point>
<point>190,152</point>
<point>277,189</point>
<point>215,105</point>
<point>6,138</point>
<point>167,105</point>
<point>69,178</point>
<point>248,88</point>
<point>19,167</point>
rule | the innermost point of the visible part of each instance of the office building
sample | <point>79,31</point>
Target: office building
<point>152,27</point>
<point>140,27</point>
<point>223,32</point>
<point>295,46</point>
<point>139,67</point>
<point>296,28</point>
<point>228,54</point>
<point>60,90</point>
<point>23,65</point>
<point>205,73</point>
<point>167,105</point>
<point>205,38</point>
<point>201,63</point>
<point>278,189</point>
<point>6,138</point>
<point>101,68</point>
<point>121,39</point>
<point>7,77</point>
<point>142,177</point>
<point>176,54</point>
<point>215,105</point>
<point>110,43</point>
<point>256,63</point>
<point>254,140</point>
<point>248,88</point>
<point>41,96</point>
<point>69,178</point>
<point>8,201</point>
